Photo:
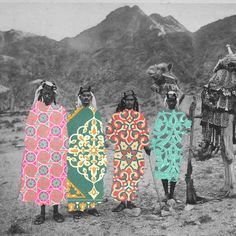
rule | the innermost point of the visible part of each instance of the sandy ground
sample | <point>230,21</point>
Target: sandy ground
<point>215,217</point>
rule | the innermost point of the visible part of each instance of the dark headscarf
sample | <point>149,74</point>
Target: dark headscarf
<point>121,106</point>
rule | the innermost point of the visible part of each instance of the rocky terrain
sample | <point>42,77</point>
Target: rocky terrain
<point>216,217</point>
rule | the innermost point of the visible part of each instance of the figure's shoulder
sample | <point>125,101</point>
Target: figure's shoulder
<point>117,115</point>
<point>163,113</point>
<point>93,109</point>
<point>62,107</point>
<point>34,107</point>
<point>181,113</point>
<point>141,115</point>
<point>160,115</point>
<point>136,114</point>
<point>74,113</point>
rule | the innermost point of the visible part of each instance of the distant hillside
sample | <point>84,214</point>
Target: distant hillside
<point>121,26</point>
<point>112,56</point>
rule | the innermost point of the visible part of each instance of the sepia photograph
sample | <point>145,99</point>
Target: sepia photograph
<point>118,117</point>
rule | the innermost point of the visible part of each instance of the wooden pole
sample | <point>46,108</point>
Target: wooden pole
<point>191,197</point>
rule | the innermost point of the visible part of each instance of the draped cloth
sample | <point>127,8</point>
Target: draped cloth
<point>86,159</point>
<point>170,126</point>
<point>43,176</point>
<point>128,131</point>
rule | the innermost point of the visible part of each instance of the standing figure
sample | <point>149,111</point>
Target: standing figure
<point>169,128</point>
<point>43,178</point>
<point>86,160</point>
<point>128,131</point>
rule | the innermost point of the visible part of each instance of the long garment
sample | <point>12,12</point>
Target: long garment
<point>43,178</point>
<point>129,132</point>
<point>170,126</point>
<point>86,160</point>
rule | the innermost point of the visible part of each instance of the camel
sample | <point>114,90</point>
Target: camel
<point>217,119</point>
<point>218,115</point>
<point>163,81</point>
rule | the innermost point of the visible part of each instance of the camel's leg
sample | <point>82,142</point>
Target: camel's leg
<point>227,153</point>
<point>226,186</point>
<point>232,191</point>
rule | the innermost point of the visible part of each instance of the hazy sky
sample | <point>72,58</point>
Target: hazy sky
<point>57,20</point>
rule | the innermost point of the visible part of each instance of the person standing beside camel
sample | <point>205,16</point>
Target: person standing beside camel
<point>169,128</point>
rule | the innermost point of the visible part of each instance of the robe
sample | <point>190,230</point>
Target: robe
<point>128,131</point>
<point>170,126</point>
<point>43,174</point>
<point>86,160</point>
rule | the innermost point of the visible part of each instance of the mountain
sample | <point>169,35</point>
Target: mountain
<point>126,42</point>
<point>112,57</point>
<point>26,57</point>
<point>12,36</point>
<point>120,27</point>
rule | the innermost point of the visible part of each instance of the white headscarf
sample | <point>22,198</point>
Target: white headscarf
<point>37,92</point>
<point>93,102</point>
<point>177,99</point>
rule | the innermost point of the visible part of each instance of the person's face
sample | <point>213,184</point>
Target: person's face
<point>86,98</point>
<point>47,95</point>
<point>129,102</point>
<point>171,102</point>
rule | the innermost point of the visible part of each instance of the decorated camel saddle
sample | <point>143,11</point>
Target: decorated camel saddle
<point>218,97</point>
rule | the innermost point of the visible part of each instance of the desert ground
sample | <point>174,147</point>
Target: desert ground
<point>216,217</point>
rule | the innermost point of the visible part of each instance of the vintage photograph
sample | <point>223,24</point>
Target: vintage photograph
<point>118,118</point>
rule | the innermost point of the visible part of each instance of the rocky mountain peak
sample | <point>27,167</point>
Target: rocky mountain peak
<point>126,10</point>
<point>121,26</point>
<point>168,23</point>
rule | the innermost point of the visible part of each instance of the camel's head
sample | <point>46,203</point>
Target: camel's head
<point>163,78</point>
<point>160,72</point>
<point>227,63</point>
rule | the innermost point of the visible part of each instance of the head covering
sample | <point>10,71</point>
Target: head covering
<point>121,105</point>
<point>171,95</point>
<point>129,93</point>
<point>40,88</point>
<point>86,89</point>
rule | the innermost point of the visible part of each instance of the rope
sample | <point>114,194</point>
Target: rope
<point>155,97</point>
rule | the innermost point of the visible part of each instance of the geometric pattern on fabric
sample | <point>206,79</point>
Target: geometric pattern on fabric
<point>128,131</point>
<point>43,172</point>
<point>77,194</point>
<point>170,126</point>
<point>86,159</point>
